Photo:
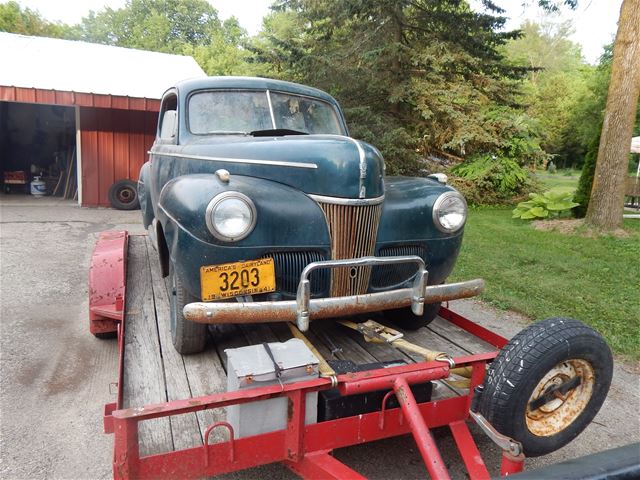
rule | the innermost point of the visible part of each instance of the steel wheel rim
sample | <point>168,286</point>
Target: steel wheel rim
<point>126,195</point>
<point>558,414</point>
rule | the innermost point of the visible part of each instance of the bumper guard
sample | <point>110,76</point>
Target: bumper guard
<point>304,307</point>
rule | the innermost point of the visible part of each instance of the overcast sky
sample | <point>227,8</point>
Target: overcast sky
<point>595,21</point>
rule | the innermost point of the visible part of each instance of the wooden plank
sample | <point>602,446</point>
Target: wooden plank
<point>143,381</point>
<point>428,338</point>
<point>258,333</point>
<point>381,351</point>
<point>462,339</point>
<point>205,375</point>
<point>282,333</point>
<point>328,333</point>
<point>184,428</point>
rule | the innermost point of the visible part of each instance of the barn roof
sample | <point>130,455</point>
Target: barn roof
<point>73,66</point>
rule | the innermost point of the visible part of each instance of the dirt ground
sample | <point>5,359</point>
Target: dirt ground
<point>55,377</point>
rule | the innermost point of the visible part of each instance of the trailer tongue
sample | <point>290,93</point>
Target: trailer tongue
<point>167,420</point>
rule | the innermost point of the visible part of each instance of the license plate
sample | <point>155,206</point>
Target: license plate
<point>240,278</point>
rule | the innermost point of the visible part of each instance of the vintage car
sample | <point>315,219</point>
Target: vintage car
<point>262,208</point>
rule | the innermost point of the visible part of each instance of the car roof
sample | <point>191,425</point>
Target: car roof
<point>250,83</point>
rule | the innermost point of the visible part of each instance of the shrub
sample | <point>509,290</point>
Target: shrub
<point>550,203</point>
<point>488,180</point>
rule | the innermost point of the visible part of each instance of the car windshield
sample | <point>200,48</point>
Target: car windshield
<point>241,112</point>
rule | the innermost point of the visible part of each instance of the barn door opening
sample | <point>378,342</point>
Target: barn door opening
<point>38,154</point>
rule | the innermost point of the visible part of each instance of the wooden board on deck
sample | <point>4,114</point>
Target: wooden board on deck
<point>155,372</point>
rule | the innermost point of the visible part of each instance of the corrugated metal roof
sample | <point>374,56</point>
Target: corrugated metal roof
<point>54,64</point>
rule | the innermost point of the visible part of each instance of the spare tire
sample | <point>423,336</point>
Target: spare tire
<point>546,385</point>
<point>123,195</point>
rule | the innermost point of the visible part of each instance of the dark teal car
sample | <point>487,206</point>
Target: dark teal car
<point>263,209</point>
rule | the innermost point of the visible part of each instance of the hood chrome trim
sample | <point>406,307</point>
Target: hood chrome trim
<point>277,163</point>
<point>347,201</point>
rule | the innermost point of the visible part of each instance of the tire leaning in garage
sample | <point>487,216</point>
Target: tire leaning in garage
<point>187,337</point>
<point>404,317</point>
<point>538,360</point>
<point>123,195</point>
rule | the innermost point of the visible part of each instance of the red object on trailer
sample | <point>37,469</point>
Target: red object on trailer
<point>107,282</point>
<point>305,449</point>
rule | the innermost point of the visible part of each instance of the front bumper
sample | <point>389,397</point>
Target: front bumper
<point>304,308</point>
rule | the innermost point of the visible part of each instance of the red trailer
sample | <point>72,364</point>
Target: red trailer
<point>168,423</point>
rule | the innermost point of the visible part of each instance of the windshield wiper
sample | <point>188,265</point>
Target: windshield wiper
<point>276,132</point>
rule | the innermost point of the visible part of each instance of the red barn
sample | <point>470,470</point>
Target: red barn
<point>78,114</point>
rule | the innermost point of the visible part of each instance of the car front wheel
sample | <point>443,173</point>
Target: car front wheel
<point>187,337</point>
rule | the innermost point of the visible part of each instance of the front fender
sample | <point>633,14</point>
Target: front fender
<point>286,219</point>
<point>407,220</point>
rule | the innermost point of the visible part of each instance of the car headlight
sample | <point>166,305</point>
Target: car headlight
<point>231,216</point>
<point>449,212</point>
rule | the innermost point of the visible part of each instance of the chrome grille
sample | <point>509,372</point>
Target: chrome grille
<point>289,266</point>
<point>383,276</point>
<point>353,230</point>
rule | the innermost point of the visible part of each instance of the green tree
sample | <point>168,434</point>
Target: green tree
<point>554,87</point>
<point>587,122</point>
<point>157,25</point>
<point>15,19</point>
<point>184,27</point>
<point>607,194</point>
<point>415,77</point>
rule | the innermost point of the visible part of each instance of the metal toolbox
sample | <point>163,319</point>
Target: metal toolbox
<point>252,366</point>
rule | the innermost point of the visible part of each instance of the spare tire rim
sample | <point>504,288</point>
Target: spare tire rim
<point>557,414</point>
<point>126,195</point>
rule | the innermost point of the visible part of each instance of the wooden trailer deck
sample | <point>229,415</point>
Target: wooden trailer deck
<point>154,372</point>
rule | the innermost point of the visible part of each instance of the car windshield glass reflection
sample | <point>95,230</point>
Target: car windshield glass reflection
<point>304,114</point>
<point>241,112</point>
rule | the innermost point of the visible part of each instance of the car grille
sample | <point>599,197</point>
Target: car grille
<point>289,266</point>
<point>353,230</point>
<point>383,276</point>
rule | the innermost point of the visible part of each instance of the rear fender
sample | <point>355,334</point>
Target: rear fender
<point>146,206</point>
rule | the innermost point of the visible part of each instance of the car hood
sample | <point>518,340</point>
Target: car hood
<point>328,165</point>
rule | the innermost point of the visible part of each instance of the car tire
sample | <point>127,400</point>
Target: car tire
<point>543,356</point>
<point>187,337</point>
<point>404,317</point>
<point>123,195</point>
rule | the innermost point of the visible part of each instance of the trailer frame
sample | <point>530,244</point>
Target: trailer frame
<point>304,449</point>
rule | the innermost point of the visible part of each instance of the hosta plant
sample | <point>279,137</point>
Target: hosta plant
<point>547,204</point>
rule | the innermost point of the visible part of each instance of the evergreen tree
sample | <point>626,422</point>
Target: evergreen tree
<point>415,77</point>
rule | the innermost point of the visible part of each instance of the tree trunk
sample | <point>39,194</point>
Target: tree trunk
<point>607,194</point>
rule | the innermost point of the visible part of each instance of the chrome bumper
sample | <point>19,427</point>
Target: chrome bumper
<point>304,307</point>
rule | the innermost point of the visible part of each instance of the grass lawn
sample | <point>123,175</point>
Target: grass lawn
<point>544,274</point>
<point>562,178</point>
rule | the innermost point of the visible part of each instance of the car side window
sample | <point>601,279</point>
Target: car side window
<point>167,128</point>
